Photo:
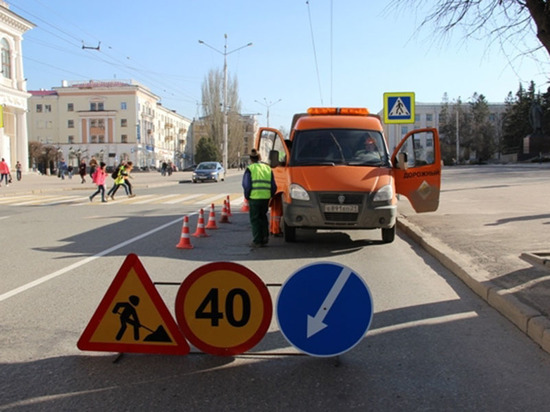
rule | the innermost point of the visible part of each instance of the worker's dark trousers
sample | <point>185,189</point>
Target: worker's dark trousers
<point>258,220</point>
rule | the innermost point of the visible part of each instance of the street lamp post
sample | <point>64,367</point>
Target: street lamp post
<point>268,105</point>
<point>225,53</point>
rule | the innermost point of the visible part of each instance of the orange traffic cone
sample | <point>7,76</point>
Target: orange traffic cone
<point>224,218</point>
<point>245,207</point>
<point>228,207</point>
<point>200,232</point>
<point>212,219</point>
<point>185,242</point>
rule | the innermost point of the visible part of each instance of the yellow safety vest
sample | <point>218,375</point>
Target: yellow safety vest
<point>260,174</point>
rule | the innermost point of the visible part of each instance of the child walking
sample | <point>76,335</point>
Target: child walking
<point>98,178</point>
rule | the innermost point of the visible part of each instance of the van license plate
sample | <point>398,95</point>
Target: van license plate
<point>341,208</point>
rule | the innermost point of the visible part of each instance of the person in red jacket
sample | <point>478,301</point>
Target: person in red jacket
<point>4,172</point>
<point>98,178</point>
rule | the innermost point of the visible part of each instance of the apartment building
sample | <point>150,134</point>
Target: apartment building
<point>112,120</point>
<point>13,94</point>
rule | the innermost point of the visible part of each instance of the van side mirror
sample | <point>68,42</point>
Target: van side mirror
<point>274,158</point>
<point>402,161</point>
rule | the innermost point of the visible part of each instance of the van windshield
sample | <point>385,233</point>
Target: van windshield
<point>339,147</point>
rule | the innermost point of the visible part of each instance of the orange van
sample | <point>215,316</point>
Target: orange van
<point>335,172</point>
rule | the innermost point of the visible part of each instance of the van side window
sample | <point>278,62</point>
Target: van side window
<point>267,139</point>
<point>420,149</point>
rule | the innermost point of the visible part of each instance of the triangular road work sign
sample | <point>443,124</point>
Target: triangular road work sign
<point>132,317</point>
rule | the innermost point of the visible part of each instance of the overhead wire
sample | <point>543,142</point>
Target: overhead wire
<point>315,53</point>
<point>170,90</point>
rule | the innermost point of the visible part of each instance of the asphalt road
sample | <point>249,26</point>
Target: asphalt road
<point>433,344</point>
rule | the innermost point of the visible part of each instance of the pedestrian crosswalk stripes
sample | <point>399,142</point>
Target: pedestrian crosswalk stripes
<point>199,199</point>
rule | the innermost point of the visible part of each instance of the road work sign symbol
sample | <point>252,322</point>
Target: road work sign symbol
<point>399,107</point>
<point>223,308</point>
<point>132,317</point>
<point>324,309</point>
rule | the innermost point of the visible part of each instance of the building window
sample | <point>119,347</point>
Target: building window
<point>94,106</point>
<point>123,106</point>
<point>404,130</point>
<point>70,107</point>
<point>429,117</point>
<point>101,138</point>
<point>38,108</point>
<point>93,138</point>
<point>416,117</point>
<point>6,59</point>
<point>124,138</point>
<point>70,124</point>
<point>48,108</point>
<point>70,139</point>
<point>123,122</point>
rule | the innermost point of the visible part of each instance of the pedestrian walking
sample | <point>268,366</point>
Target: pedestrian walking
<point>62,169</point>
<point>122,180</point>
<point>4,172</point>
<point>18,170</point>
<point>98,178</point>
<point>82,171</point>
<point>259,187</point>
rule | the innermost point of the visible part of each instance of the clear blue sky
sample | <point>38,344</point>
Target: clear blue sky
<point>321,52</point>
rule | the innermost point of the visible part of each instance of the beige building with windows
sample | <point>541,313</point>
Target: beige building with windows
<point>428,115</point>
<point>13,94</point>
<point>112,120</point>
<point>240,147</point>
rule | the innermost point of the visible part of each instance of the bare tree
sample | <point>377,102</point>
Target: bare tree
<point>212,105</point>
<point>502,20</point>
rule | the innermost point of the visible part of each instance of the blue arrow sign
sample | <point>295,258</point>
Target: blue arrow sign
<point>324,309</point>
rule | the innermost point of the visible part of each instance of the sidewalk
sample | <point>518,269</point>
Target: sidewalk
<point>494,237</point>
<point>33,183</point>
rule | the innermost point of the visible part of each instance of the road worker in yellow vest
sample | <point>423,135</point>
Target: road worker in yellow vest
<point>259,186</point>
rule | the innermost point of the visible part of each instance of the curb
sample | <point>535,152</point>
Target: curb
<point>530,321</point>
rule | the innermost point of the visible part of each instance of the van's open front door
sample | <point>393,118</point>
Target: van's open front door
<point>271,142</point>
<point>417,169</point>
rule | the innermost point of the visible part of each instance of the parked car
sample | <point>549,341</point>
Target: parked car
<point>206,171</point>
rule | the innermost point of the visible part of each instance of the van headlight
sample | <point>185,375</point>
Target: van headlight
<point>384,194</point>
<point>297,192</point>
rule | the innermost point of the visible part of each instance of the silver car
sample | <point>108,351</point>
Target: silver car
<point>206,171</point>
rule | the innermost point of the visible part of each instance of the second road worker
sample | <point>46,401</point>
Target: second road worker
<point>259,186</point>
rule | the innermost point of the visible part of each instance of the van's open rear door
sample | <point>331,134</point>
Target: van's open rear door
<point>417,169</point>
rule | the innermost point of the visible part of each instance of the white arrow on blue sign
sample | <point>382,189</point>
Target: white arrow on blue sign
<point>324,309</point>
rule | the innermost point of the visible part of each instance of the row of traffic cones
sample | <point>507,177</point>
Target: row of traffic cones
<point>185,239</point>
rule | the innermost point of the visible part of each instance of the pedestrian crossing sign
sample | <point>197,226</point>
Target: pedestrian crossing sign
<point>399,107</point>
<point>132,317</point>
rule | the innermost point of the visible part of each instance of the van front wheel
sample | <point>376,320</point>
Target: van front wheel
<point>388,235</point>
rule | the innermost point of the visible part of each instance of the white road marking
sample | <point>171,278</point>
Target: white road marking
<point>60,272</point>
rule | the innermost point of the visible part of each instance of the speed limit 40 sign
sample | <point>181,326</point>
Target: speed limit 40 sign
<point>223,308</point>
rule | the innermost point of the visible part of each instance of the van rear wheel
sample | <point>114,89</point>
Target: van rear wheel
<point>388,235</point>
<point>289,232</point>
